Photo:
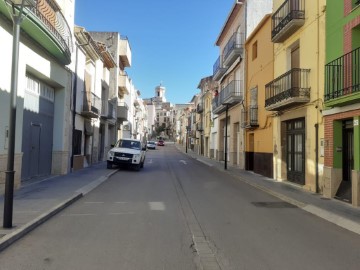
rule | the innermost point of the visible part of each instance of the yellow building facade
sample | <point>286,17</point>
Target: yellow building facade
<point>295,96</point>
<point>256,120</point>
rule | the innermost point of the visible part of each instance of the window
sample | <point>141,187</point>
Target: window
<point>254,50</point>
<point>39,88</point>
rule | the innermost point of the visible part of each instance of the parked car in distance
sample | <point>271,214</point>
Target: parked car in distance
<point>160,143</point>
<point>127,152</point>
<point>151,145</point>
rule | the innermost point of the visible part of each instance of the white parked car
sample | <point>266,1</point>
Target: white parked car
<point>127,152</point>
<point>151,145</point>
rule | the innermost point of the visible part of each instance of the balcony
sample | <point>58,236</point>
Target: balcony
<point>124,84</point>
<point>200,108</point>
<point>250,117</point>
<point>289,90</point>
<point>233,92</point>
<point>107,110</point>
<point>233,49</point>
<point>48,27</point>
<point>199,127</point>
<point>124,52</point>
<point>342,80</point>
<point>216,105</point>
<point>218,69</point>
<point>122,111</point>
<point>289,17</point>
<point>91,105</point>
<point>229,96</point>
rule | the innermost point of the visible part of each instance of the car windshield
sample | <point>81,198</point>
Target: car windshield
<point>128,144</point>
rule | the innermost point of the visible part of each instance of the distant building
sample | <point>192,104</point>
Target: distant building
<point>163,124</point>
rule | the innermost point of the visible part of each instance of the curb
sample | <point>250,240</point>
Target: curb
<point>9,239</point>
<point>12,237</point>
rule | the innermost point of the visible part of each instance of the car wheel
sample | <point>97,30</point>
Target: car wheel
<point>138,167</point>
<point>142,164</point>
<point>109,165</point>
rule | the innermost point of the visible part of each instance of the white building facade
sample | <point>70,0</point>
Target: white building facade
<point>44,88</point>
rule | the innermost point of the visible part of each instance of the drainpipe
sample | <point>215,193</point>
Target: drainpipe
<point>74,108</point>
<point>317,112</point>
<point>226,134</point>
<point>92,142</point>
<point>316,158</point>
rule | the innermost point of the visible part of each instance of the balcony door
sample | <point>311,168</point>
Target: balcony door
<point>295,64</point>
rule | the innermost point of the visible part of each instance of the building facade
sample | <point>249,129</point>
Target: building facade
<point>207,89</point>
<point>44,88</point>
<point>93,112</point>
<point>342,101</point>
<point>295,96</point>
<point>256,121</point>
<point>229,72</point>
<point>120,85</point>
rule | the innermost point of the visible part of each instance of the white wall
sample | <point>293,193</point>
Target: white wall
<point>256,9</point>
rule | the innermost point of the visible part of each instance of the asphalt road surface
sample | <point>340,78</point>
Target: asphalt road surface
<point>180,214</point>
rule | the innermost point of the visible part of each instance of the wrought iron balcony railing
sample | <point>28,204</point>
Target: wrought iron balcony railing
<point>199,127</point>
<point>250,117</point>
<point>289,17</point>
<point>91,105</point>
<point>232,94</point>
<point>107,110</point>
<point>288,90</point>
<point>234,48</point>
<point>200,108</point>
<point>218,68</point>
<point>342,79</point>
<point>47,26</point>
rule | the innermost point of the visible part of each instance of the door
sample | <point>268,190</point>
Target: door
<point>250,153</point>
<point>348,157</point>
<point>344,191</point>
<point>37,130</point>
<point>35,136</point>
<point>295,142</point>
<point>101,145</point>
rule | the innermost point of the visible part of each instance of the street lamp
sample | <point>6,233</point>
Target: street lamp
<point>17,18</point>
<point>187,138</point>
<point>226,135</point>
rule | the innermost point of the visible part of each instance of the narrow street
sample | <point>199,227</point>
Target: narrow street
<point>178,213</point>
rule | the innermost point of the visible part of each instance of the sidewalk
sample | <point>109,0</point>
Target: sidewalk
<point>37,201</point>
<point>332,210</point>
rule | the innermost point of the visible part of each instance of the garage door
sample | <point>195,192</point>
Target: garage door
<point>38,122</point>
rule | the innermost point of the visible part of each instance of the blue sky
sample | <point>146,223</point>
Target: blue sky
<point>172,42</point>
